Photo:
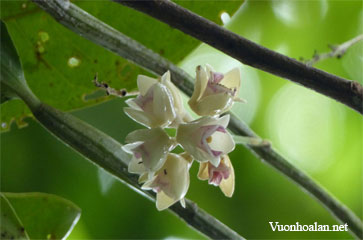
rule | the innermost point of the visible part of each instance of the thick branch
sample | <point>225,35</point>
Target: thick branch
<point>336,51</point>
<point>250,53</point>
<point>100,33</point>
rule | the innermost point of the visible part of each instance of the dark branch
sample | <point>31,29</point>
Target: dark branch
<point>250,53</point>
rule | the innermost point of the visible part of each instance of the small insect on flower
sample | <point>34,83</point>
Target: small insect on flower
<point>171,182</point>
<point>214,93</point>
<point>222,176</point>
<point>206,139</point>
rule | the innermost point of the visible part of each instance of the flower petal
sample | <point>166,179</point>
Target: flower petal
<point>192,137</point>
<point>149,184</point>
<point>227,185</point>
<point>163,201</point>
<point>154,148</point>
<point>163,108</point>
<point>182,202</point>
<point>145,134</point>
<point>224,120</point>
<point>200,84</point>
<point>139,116</point>
<point>222,141</point>
<point>136,166</point>
<point>131,103</point>
<point>143,177</point>
<point>144,83</point>
<point>171,182</point>
<point>213,104</point>
<point>203,171</point>
<point>129,147</point>
<point>177,100</point>
<point>232,80</point>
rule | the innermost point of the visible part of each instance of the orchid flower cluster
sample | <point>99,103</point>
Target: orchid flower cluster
<point>159,106</point>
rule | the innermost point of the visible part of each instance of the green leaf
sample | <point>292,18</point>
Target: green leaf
<point>10,227</point>
<point>59,65</point>
<point>45,216</point>
<point>13,84</point>
<point>11,74</point>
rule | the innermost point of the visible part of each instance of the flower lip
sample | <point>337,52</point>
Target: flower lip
<point>216,175</point>
<point>222,175</point>
<point>208,131</point>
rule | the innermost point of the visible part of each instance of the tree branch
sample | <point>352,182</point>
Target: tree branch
<point>91,28</point>
<point>250,53</point>
<point>336,51</point>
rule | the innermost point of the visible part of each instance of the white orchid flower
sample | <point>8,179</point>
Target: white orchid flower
<point>222,176</point>
<point>154,106</point>
<point>214,93</point>
<point>159,103</point>
<point>206,139</point>
<point>171,182</point>
<point>149,148</point>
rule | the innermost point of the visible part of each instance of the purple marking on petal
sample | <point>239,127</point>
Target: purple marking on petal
<point>221,129</point>
<point>214,86</point>
<point>216,153</point>
<point>137,155</point>
<point>208,131</point>
<point>142,152</point>
<point>156,189</point>
<point>215,179</point>
<point>217,174</point>
<point>142,101</point>
<point>217,77</point>
<point>226,174</point>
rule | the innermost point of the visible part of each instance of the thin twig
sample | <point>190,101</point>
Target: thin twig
<point>336,51</point>
<point>250,53</point>
<point>111,91</point>
<point>91,28</point>
<point>251,141</point>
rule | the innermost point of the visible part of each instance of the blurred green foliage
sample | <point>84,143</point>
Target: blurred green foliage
<point>318,134</point>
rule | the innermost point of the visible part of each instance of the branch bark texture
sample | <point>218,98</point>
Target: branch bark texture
<point>348,92</point>
<point>91,28</point>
